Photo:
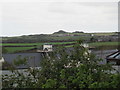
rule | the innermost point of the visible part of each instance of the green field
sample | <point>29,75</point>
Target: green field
<point>104,44</point>
<point>14,49</point>
<point>20,44</point>
<point>95,44</point>
<point>38,44</point>
<point>102,34</point>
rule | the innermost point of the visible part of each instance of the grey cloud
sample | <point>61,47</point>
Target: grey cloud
<point>97,4</point>
<point>25,18</point>
<point>61,8</point>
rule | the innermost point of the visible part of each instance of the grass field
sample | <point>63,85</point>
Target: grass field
<point>20,44</point>
<point>104,44</point>
<point>102,34</point>
<point>14,49</point>
<point>95,44</point>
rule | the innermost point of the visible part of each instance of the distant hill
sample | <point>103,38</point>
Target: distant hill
<point>60,32</point>
<point>78,32</point>
<point>60,36</point>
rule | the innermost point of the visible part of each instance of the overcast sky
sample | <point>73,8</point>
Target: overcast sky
<point>24,18</point>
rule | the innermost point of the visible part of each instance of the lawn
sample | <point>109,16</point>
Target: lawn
<point>14,49</point>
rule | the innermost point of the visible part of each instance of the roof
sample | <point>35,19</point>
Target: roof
<point>47,44</point>
<point>114,56</point>
<point>33,59</point>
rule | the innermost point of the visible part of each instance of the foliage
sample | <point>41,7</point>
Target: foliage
<point>4,50</point>
<point>66,68</point>
<point>19,60</point>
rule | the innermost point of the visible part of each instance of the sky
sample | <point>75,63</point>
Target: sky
<point>25,18</point>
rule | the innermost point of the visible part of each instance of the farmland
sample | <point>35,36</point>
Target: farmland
<point>60,36</point>
<point>13,47</point>
<point>21,44</point>
<point>68,39</point>
<point>104,44</point>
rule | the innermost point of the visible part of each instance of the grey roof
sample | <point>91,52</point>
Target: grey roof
<point>47,44</point>
<point>115,55</point>
<point>33,59</point>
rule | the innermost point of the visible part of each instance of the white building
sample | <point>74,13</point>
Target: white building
<point>47,47</point>
<point>85,45</point>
